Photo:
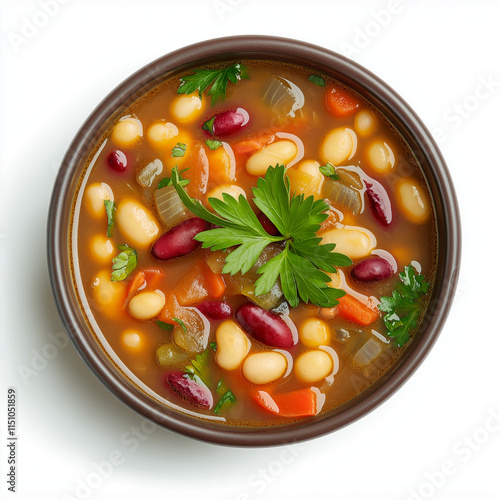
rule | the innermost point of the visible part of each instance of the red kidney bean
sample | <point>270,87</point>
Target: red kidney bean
<point>264,326</point>
<point>379,201</point>
<point>372,269</point>
<point>179,240</point>
<point>215,310</point>
<point>117,160</point>
<point>268,226</point>
<point>227,122</point>
<point>189,389</point>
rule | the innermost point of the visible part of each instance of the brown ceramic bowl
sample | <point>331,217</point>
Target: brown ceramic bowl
<point>316,59</point>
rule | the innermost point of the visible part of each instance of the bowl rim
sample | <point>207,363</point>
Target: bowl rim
<point>226,49</point>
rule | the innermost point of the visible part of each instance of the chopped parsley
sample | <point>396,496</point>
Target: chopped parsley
<point>124,263</point>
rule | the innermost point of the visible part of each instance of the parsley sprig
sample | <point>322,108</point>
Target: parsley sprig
<point>403,307</point>
<point>216,79</point>
<point>302,264</point>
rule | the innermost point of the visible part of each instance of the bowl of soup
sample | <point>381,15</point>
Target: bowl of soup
<point>253,241</point>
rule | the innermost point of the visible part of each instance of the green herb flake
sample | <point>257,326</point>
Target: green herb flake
<point>110,210</point>
<point>165,326</point>
<point>179,149</point>
<point>124,263</point>
<point>303,263</point>
<point>167,181</point>
<point>404,306</point>
<point>317,80</point>
<point>213,346</point>
<point>209,125</point>
<point>199,367</point>
<point>215,80</point>
<point>181,324</point>
<point>328,170</point>
<point>227,398</point>
<point>213,144</point>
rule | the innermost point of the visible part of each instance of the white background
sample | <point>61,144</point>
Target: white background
<point>56,67</point>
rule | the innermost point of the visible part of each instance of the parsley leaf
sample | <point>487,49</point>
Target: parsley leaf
<point>165,326</point>
<point>300,266</point>
<point>199,367</point>
<point>216,79</point>
<point>213,144</point>
<point>167,181</point>
<point>124,263</point>
<point>181,324</point>
<point>179,149</point>
<point>317,80</point>
<point>403,307</point>
<point>328,170</point>
<point>110,209</point>
<point>227,397</point>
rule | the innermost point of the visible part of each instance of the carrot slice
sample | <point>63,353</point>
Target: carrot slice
<point>153,276</point>
<point>222,164</point>
<point>352,309</point>
<point>300,403</point>
<point>198,171</point>
<point>215,284</point>
<point>253,143</point>
<point>171,310</point>
<point>340,103</point>
<point>136,284</point>
<point>192,288</point>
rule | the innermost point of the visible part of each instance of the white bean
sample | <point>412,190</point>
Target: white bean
<point>313,366</point>
<point>380,156</point>
<point>230,189</point>
<point>279,152</point>
<point>108,295</point>
<point>146,305</point>
<point>127,132</point>
<point>102,248</point>
<point>264,367</point>
<point>353,242</point>
<point>232,345</point>
<point>365,122</point>
<point>162,135</point>
<point>94,197</point>
<point>311,168</point>
<point>412,201</point>
<point>187,107</point>
<point>314,332</point>
<point>132,339</point>
<point>136,222</point>
<point>338,146</point>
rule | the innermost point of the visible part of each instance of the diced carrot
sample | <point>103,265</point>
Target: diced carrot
<point>154,276</point>
<point>136,284</point>
<point>340,103</point>
<point>253,143</point>
<point>215,284</point>
<point>222,164</point>
<point>192,288</point>
<point>171,310</point>
<point>300,403</point>
<point>352,309</point>
<point>197,173</point>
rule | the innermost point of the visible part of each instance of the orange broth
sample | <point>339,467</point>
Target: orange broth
<point>402,242</point>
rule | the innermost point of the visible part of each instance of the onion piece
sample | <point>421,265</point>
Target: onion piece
<point>283,97</point>
<point>169,206</point>
<point>341,195</point>
<point>367,353</point>
<point>146,176</point>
